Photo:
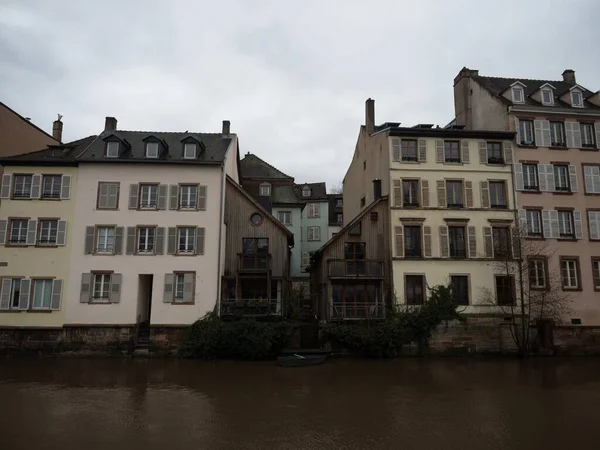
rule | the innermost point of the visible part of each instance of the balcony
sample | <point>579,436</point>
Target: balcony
<point>250,307</point>
<point>357,311</point>
<point>254,262</point>
<point>355,268</point>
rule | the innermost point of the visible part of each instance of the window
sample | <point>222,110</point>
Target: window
<point>557,134</point>
<point>561,178</point>
<point>148,196</point>
<point>354,254</point>
<point>339,203</point>
<point>306,191</point>
<point>314,233</point>
<point>534,222</point>
<point>569,273</point>
<point>186,239</point>
<point>409,150</point>
<point>452,151</point>
<point>146,240</point>
<point>188,196</point>
<point>256,254</point>
<point>410,189</point>
<point>22,186</point>
<point>362,202</point>
<point>340,218</point>
<point>108,196</point>
<point>152,150</point>
<point>412,242</point>
<point>415,289</point>
<point>314,211</point>
<point>18,231</point>
<point>189,151</point>
<point>576,99</point>
<point>596,272</point>
<point>256,219</point>
<point>537,273</point>
<point>517,95</point>
<point>285,217</point>
<point>179,284</point>
<point>305,261</point>
<point>105,239</point>
<point>592,179</point>
<point>51,185</point>
<point>458,242</point>
<point>42,294</point>
<point>265,190</point>
<point>494,153</point>
<point>454,194</point>
<point>526,132</point>
<point>565,224</point>
<point>101,287</point>
<point>501,239</point>
<point>587,135</point>
<point>497,194</point>
<point>14,293</point>
<point>505,293</point>
<point>47,232</point>
<point>530,177</point>
<point>365,165</point>
<point>112,149</point>
<point>184,287</point>
<point>547,97</point>
<point>460,289</point>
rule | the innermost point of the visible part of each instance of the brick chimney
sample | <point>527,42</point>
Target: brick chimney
<point>110,124</point>
<point>57,128</point>
<point>370,116</point>
<point>569,76</point>
<point>226,128</point>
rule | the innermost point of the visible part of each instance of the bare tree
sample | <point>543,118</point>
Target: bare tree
<point>337,188</point>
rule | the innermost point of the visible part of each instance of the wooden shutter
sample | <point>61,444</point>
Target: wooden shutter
<point>25,294</point>
<point>588,179</point>
<point>86,288</point>
<point>168,294</point>
<point>89,240</point>
<point>133,196</point>
<point>202,191</point>
<point>597,128</point>
<point>546,228</point>
<point>398,193</point>
<point>118,250</point>
<point>519,182</point>
<point>5,294</point>
<point>57,287</point>
<point>65,187</point>
<point>102,195</point>
<point>464,146</point>
<point>31,232</point>
<point>172,241</point>
<point>522,215</point>
<point>469,194</point>
<point>200,232</point>
<point>472,237</point>
<point>130,241</point>
<point>578,224</point>
<point>488,242</point>
<point>483,152</point>
<point>399,241</point>
<point>61,233</point>
<point>422,150</point>
<point>573,178</point>
<point>112,195</point>
<point>550,178</point>
<point>36,186</point>
<point>396,150</point>
<point>159,241</point>
<point>188,287</point>
<point>116,280</point>
<point>427,242</point>
<point>596,179</point>
<point>162,196</point>
<point>537,127</point>
<point>424,193</point>
<point>546,140</point>
<point>3,227</point>
<point>444,249</point>
<point>439,151</point>
<point>594,224</point>
<point>577,135</point>
<point>554,227</point>
<point>6,184</point>
<point>517,131</point>
<point>542,180</point>
<point>569,134</point>
<point>441,193</point>
<point>485,194</point>
<point>174,197</point>
<point>508,152</point>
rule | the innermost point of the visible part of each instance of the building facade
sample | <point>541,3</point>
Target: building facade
<point>315,220</point>
<point>336,214</point>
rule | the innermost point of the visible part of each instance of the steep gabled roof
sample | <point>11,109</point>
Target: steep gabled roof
<point>27,121</point>
<point>51,155</point>
<point>251,166</point>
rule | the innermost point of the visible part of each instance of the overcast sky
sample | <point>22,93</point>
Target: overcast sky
<point>292,77</point>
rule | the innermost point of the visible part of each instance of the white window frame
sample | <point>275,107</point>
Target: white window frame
<point>305,260</point>
<point>22,186</point>
<point>313,234</point>
<point>55,186</point>
<point>46,285</point>
<point>550,93</point>
<point>146,239</point>
<point>186,151</point>
<point>521,91</point>
<point>534,222</point>
<point>188,196</point>
<point>565,225</point>
<point>103,281</point>
<point>48,227</point>
<point>557,134</point>
<point>539,264</point>
<point>591,142</point>
<point>570,267</point>
<point>21,231</point>
<point>526,130</point>
<point>306,191</point>
<point>339,217</point>
<point>527,177</point>
<point>314,211</point>
<point>189,236</point>
<point>177,289</point>
<point>146,194</point>
<point>265,190</point>
<point>285,217</point>
<point>13,300</point>
<point>106,237</point>
<point>339,203</point>
<point>561,183</point>
<point>152,150</point>
<point>112,149</point>
<point>578,93</point>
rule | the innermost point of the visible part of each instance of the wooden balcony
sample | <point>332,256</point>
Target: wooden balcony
<point>357,311</point>
<point>250,307</point>
<point>355,268</point>
<point>254,262</point>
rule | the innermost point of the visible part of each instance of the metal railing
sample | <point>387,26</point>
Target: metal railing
<point>254,262</point>
<point>357,311</point>
<point>355,268</point>
<point>232,307</point>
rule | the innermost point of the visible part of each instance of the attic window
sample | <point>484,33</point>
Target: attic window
<point>547,97</point>
<point>265,190</point>
<point>576,99</point>
<point>306,191</point>
<point>112,149</point>
<point>189,151</point>
<point>152,150</point>
<point>517,94</point>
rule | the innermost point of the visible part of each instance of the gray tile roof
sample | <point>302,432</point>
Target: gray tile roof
<point>54,154</point>
<point>251,166</point>
<point>318,191</point>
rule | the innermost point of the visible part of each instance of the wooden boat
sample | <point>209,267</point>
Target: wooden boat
<point>296,360</point>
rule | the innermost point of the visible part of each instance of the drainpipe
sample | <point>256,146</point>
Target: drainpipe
<point>221,225</point>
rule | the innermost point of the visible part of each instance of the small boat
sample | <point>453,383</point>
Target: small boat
<point>296,360</point>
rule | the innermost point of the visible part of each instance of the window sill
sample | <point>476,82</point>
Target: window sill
<point>535,238</point>
<point>563,193</point>
<point>589,149</point>
<point>527,145</point>
<point>42,311</point>
<point>591,194</point>
<point>531,191</point>
<point>138,253</point>
<point>454,163</point>
<point>100,253</point>
<point>15,244</point>
<point>503,207</point>
<point>106,209</point>
<point>153,208</point>
<point>178,302</point>
<point>185,254</point>
<point>567,239</point>
<point>99,302</point>
<point>47,245</point>
<point>570,289</point>
<point>407,162</point>
<point>21,198</point>
<point>50,199</point>
<point>558,147</point>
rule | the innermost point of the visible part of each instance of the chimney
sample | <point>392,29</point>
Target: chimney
<point>110,124</point>
<point>465,73</point>
<point>370,116</point>
<point>226,128</point>
<point>376,189</point>
<point>569,76</point>
<point>57,128</point>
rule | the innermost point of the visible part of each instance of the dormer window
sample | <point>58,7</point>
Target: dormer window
<point>576,99</point>
<point>152,150</point>
<point>189,151</point>
<point>518,96</point>
<point>265,190</point>
<point>112,149</point>
<point>305,191</point>
<point>547,97</point>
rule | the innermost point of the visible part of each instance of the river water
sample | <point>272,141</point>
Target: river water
<point>90,404</point>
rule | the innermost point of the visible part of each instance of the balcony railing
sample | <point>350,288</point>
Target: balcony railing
<point>342,268</point>
<point>357,311</point>
<point>250,307</point>
<point>254,262</point>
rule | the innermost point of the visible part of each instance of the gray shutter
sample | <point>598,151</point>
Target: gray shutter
<point>25,294</point>
<point>36,186</point>
<point>422,150</point>
<point>546,141</point>
<point>472,237</point>
<point>554,228</point>
<point>464,146</point>
<point>469,194</point>
<point>5,294</point>
<point>399,241</point>
<point>130,242</point>
<point>168,294</point>
<point>396,150</point>
<point>485,194</point>
<point>133,196</point>
<point>174,197</point>
<point>61,233</point>
<point>594,224</point>
<point>172,241</point>
<point>159,241</point>
<point>522,214</point>
<point>202,190</point>
<point>488,243</point>
<point>162,196</point>
<point>441,193</point>
<point>116,281</point>
<point>550,178</point>
<point>517,131</point>
<point>444,250</point>
<point>200,240</point>
<point>397,192</point>
<point>569,134</point>
<point>86,288</point>
<point>578,225</point>
<point>576,134</point>
<point>103,195</point>
<point>597,128</point>
<point>439,151</point>
<point>188,287</point>
<point>537,127</point>
<point>3,225</point>
<point>31,231</point>
<point>118,241</point>
<point>89,240</point>
<point>519,182</point>
<point>65,187</point>
<point>425,193</point>
<point>546,228</point>
<point>6,183</point>
<point>588,177</point>
<point>483,152</point>
<point>542,181</point>
<point>427,253</point>
<point>508,152</point>
<point>573,178</point>
<point>57,286</point>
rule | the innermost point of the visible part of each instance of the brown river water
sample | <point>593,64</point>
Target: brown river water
<point>90,404</point>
